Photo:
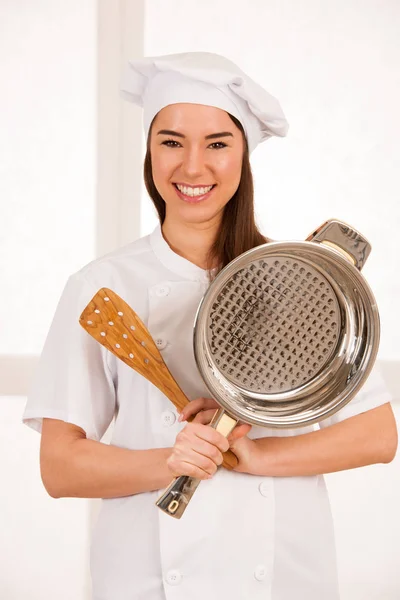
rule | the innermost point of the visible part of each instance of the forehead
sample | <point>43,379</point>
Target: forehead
<point>194,118</point>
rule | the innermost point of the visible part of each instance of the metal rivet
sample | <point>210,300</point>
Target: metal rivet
<point>146,360</point>
<point>106,299</point>
<point>124,335</point>
<point>90,322</point>
<point>131,356</point>
<point>132,327</point>
<point>97,311</point>
<point>110,323</point>
<point>117,346</point>
<point>120,313</point>
<point>143,343</point>
<point>102,333</point>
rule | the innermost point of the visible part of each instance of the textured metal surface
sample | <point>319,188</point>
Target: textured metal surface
<point>274,325</point>
<point>286,334</point>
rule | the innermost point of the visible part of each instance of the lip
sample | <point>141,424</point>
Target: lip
<point>192,186</point>
<point>193,199</point>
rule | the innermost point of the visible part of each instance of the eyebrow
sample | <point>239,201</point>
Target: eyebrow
<point>211,136</point>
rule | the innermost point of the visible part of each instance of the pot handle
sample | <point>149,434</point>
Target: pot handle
<point>344,239</point>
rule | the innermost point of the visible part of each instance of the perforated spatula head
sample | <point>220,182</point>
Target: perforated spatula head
<point>113,323</point>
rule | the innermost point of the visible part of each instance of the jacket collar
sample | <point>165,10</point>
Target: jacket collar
<point>179,265</point>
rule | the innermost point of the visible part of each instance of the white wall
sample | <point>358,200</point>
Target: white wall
<point>47,159</point>
<point>66,196</point>
<point>48,147</point>
<point>44,542</point>
<point>365,503</point>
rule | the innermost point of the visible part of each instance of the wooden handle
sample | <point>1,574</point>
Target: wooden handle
<point>113,323</point>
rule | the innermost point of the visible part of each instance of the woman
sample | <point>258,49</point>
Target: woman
<point>265,529</point>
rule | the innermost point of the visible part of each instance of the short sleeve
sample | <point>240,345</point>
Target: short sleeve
<point>73,381</point>
<point>373,393</point>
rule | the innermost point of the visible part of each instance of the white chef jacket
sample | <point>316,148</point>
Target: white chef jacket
<point>243,537</point>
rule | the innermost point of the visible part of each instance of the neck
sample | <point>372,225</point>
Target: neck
<point>191,240</point>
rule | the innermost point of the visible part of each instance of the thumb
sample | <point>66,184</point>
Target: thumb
<point>239,432</point>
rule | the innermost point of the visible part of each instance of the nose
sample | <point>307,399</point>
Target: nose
<point>193,163</point>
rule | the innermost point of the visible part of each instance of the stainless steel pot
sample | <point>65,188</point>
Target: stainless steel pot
<point>285,336</point>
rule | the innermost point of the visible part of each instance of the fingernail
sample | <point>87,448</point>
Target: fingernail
<point>180,418</point>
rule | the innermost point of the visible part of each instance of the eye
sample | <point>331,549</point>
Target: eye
<point>175,144</point>
<point>170,143</point>
<point>220,145</point>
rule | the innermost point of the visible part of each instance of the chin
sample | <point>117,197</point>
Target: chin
<point>200,215</point>
<point>195,213</point>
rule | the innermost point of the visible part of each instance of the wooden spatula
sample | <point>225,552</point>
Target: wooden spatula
<point>112,322</point>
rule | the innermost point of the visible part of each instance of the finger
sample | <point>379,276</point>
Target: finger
<point>239,432</point>
<point>209,434</point>
<point>202,448</point>
<point>204,432</point>
<point>192,408</point>
<point>195,406</point>
<point>204,416</point>
<point>206,463</point>
<point>192,470</point>
<point>183,463</point>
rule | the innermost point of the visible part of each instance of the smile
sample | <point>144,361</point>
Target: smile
<point>193,194</point>
<point>193,191</point>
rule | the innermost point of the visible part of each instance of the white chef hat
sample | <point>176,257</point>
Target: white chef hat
<point>203,78</point>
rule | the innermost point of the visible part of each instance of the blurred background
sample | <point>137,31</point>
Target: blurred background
<point>71,154</point>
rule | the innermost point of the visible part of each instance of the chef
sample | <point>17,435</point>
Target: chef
<point>264,530</point>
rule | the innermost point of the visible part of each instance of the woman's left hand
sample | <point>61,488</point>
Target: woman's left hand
<point>241,445</point>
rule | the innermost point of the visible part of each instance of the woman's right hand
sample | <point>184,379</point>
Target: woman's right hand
<point>197,451</point>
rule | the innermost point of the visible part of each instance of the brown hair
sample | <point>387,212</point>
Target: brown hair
<point>238,230</point>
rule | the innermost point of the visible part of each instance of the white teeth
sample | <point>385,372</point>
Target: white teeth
<point>197,191</point>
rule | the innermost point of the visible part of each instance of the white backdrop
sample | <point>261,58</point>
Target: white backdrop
<point>48,147</point>
<point>47,160</point>
<point>64,166</point>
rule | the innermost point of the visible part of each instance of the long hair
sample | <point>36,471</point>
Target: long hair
<point>238,230</point>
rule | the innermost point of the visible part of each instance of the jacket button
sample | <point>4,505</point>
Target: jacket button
<point>161,343</point>
<point>168,418</point>
<point>173,577</point>
<point>162,290</point>
<point>260,572</point>
<point>264,488</point>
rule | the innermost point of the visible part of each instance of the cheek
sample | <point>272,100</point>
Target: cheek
<point>229,170</point>
<point>160,169</point>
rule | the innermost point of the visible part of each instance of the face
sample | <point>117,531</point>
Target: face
<point>194,147</point>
